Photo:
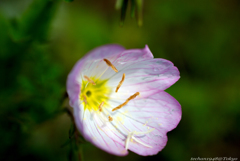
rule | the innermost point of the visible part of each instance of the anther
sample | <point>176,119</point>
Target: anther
<point>133,96</point>
<point>100,106</point>
<point>84,99</point>
<point>130,98</point>
<point>110,118</point>
<point>111,65</point>
<point>120,106</point>
<point>89,80</point>
<point>120,83</point>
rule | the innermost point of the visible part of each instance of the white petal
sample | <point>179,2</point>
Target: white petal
<point>160,111</point>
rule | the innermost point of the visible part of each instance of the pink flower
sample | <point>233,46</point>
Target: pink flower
<point>119,100</point>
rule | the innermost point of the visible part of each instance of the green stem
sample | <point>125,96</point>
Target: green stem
<point>80,153</point>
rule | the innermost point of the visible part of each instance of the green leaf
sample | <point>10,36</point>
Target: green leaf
<point>69,0</point>
<point>133,7</point>
<point>139,11</point>
<point>123,11</point>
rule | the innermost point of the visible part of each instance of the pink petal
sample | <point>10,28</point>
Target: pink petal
<point>146,75</point>
<point>159,111</point>
<point>126,59</point>
<point>104,52</point>
<point>99,133</point>
<point>98,68</point>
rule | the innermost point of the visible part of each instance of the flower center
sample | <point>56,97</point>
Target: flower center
<point>93,94</point>
<point>88,93</point>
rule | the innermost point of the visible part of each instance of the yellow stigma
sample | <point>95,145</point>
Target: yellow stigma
<point>93,94</point>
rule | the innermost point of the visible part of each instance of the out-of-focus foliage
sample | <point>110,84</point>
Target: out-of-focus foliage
<point>68,0</point>
<point>136,6</point>
<point>41,40</point>
<point>30,78</point>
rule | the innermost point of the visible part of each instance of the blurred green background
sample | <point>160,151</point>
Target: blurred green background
<point>41,40</point>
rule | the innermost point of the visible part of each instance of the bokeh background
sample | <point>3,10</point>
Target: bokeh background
<point>41,40</point>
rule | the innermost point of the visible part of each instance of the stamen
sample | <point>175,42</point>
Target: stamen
<point>111,65</point>
<point>120,106</point>
<point>85,99</point>
<point>110,118</point>
<point>100,106</point>
<point>130,98</point>
<point>133,96</point>
<point>89,80</point>
<point>120,83</point>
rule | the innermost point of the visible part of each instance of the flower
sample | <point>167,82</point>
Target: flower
<point>119,102</point>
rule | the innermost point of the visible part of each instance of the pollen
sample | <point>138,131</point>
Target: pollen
<point>100,106</point>
<point>111,65</point>
<point>89,80</point>
<point>130,98</point>
<point>120,83</point>
<point>110,118</point>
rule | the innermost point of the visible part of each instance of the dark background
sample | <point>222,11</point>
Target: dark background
<point>41,40</point>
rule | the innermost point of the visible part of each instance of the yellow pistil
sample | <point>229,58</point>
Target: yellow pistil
<point>110,118</point>
<point>100,106</point>
<point>120,83</point>
<point>130,98</point>
<point>89,80</point>
<point>111,65</point>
